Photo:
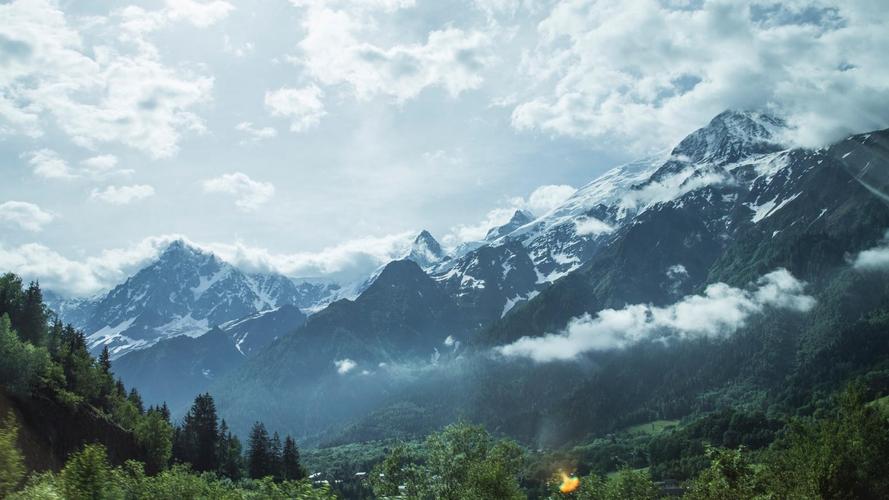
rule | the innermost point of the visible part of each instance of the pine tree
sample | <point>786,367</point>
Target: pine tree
<point>260,460</point>
<point>136,399</point>
<point>230,460</point>
<point>165,411</point>
<point>32,326</point>
<point>11,297</point>
<point>292,470</point>
<point>55,338</point>
<point>201,434</point>
<point>275,447</point>
<point>105,360</point>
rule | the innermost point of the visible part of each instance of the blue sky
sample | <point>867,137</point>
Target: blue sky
<point>315,137</point>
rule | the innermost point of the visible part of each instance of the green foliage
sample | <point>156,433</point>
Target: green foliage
<point>262,460</point>
<point>730,476</point>
<point>198,439</point>
<point>23,367</point>
<point>12,468</point>
<point>460,462</point>
<point>844,456</point>
<point>88,476</point>
<point>291,468</point>
<point>627,484</point>
<point>231,461</point>
<point>155,434</point>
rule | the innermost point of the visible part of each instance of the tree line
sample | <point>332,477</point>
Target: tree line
<point>40,356</point>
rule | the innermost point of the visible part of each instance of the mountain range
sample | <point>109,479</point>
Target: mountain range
<point>416,340</point>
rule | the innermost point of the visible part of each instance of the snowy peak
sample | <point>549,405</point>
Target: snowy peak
<point>519,219</point>
<point>186,291</point>
<point>732,136</point>
<point>425,250</point>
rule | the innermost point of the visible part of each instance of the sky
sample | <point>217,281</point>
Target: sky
<point>317,137</point>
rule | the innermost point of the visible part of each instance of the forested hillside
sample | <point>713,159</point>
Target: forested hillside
<point>71,430</point>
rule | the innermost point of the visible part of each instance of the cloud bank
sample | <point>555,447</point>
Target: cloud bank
<point>607,70</point>
<point>346,262</point>
<point>719,312</point>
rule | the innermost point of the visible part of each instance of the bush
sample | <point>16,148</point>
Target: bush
<point>12,467</point>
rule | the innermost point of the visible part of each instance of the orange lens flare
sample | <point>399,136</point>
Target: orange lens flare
<point>569,483</point>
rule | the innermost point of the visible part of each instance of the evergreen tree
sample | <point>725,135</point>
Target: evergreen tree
<point>201,434</point>
<point>165,411</point>
<point>276,456</point>
<point>230,460</point>
<point>11,297</point>
<point>136,399</point>
<point>32,326</point>
<point>260,460</point>
<point>55,337</point>
<point>105,360</point>
<point>290,465</point>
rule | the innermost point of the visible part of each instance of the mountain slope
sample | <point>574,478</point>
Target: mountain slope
<point>797,209</point>
<point>174,370</point>
<point>184,292</point>
<point>347,356</point>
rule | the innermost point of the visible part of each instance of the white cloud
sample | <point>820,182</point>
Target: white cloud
<point>591,226</point>
<point>873,259</point>
<point>255,134</point>
<point>545,198</point>
<point>344,366</point>
<point>111,92</point>
<point>80,277</point>
<point>646,73</point>
<point>100,163</point>
<point>48,164</point>
<point>719,312</point>
<point>200,14</point>
<point>541,201</point>
<point>27,216</point>
<point>337,50</point>
<point>122,195</point>
<point>303,106</point>
<point>349,261</point>
<point>249,194</point>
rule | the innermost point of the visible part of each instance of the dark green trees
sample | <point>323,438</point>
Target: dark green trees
<point>291,469</point>
<point>260,459</point>
<point>198,438</point>
<point>267,458</point>
<point>231,463</point>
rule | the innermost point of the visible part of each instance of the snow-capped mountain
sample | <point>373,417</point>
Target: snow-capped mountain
<point>519,219</point>
<point>186,291</point>
<point>736,151</point>
<point>568,236</point>
<point>425,250</point>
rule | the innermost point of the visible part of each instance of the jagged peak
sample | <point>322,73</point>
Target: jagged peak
<point>519,218</point>
<point>731,136</point>
<point>425,249</point>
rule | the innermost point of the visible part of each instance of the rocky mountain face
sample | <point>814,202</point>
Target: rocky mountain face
<point>186,291</point>
<point>174,370</point>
